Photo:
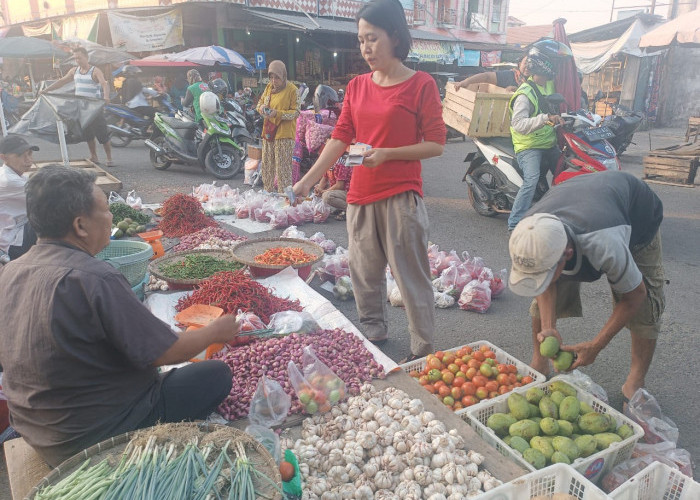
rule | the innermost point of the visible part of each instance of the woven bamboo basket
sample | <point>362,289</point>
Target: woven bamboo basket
<point>172,258</point>
<point>179,434</point>
<point>246,251</point>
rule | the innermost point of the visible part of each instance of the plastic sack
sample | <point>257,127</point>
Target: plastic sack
<point>306,210</point>
<point>335,266</point>
<point>455,277</point>
<point>666,451</point>
<point>580,379</point>
<point>293,232</point>
<point>115,198</point>
<point>133,200</point>
<point>444,299</point>
<point>268,438</point>
<point>390,283</point>
<point>433,255</point>
<point>270,404</point>
<point>625,470</point>
<point>279,219</point>
<point>316,386</point>
<point>286,322</point>
<point>645,410</point>
<point>475,266</point>
<point>248,321</point>
<point>321,211</point>
<point>328,246</point>
<point>498,283</point>
<point>342,290</point>
<point>476,296</point>
<point>317,237</point>
<point>446,260</point>
<point>243,211</point>
<point>395,298</point>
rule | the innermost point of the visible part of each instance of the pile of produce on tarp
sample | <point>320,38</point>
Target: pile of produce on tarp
<point>209,238</point>
<point>183,214</point>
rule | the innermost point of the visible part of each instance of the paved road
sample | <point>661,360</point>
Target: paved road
<point>455,225</point>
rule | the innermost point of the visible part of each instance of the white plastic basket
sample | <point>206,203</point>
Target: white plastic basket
<point>557,478</point>
<point>657,481</point>
<point>592,467</point>
<point>501,356</point>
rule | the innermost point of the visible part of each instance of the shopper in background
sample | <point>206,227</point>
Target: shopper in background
<point>178,90</point>
<point>279,107</point>
<point>397,112</point>
<point>509,79</point>
<point>196,88</point>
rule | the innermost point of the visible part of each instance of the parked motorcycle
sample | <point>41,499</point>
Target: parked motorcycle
<point>239,126</point>
<point>126,125</point>
<point>623,123</point>
<point>494,176</point>
<point>176,140</point>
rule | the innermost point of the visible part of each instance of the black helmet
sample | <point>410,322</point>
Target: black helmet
<point>543,57</point>
<point>325,98</point>
<point>131,70</point>
<point>219,87</point>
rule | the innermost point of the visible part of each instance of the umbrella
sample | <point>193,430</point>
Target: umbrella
<point>211,56</point>
<point>27,47</point>
<point>99,54</point>
<point>162,60</point>
<point>567,81</point>
<point>683,30</point>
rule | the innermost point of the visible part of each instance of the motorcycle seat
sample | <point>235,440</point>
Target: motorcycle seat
<point>179,124</point>
<point>505,144</point>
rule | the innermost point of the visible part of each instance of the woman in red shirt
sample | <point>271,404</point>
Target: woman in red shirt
<point>397,111</point>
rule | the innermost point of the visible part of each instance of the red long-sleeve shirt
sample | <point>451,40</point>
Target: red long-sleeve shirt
<point>389,117</point>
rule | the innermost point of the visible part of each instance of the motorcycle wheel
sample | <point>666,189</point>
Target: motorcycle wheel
<point>224,165</point>
<point>117,140</point>
<point>159,161</point>
<point>485,176</point>
<point>244,148</point>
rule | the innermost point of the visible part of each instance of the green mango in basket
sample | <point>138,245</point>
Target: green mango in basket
<point>569,408</point>
<point>594,423</point>
<point>542,445</point>
<point>587,445</point>
<point>560,458</point>
<point>566,446</point>
<point>535,458</point>
<point>518,443</point>
<point>557,397</point>
<point>534,394</point>
<point>561,386</point>
<point>518,406</point>
<point>566,428</point>
<point>625,431</point>
<point>499,423</point>
<point>548,408</point>
<point>525,429</point>
<point>549,426</point>
<point>605,439</point>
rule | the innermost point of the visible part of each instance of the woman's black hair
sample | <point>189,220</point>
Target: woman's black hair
<point>389,16</point>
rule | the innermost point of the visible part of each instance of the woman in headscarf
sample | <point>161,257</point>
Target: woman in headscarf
<point>279,107</point>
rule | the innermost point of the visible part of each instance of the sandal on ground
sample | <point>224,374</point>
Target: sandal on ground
<point>110,163</point>
<point>379,341</point>
<point>340,215</point>
<point>409,358</point>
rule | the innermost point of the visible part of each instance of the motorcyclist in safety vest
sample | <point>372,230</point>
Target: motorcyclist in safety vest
<point>532,122</point>
<point>196,88</point>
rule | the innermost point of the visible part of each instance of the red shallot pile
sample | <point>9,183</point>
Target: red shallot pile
<point>235,290</point>
<point>342,351</point>
<point>183,214</point>
<point>190,241</point>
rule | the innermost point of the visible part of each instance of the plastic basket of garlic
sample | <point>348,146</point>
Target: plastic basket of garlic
<point>383,445</point>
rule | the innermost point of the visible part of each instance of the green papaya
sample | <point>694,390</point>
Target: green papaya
<point>525,429</point>
<point>500,422</point>
<point>563,361</point>
<point>518,443</point>
<point>534,394</point>
<point>543,445</point>
<point>549,347</point>
<point>587,445</point>
<point>625,431</point>
<point>566,446</point>
<point>535,458</point>
<point>560,458</point>
<point>566,428</point>
<point>561,386</point>
<point>548,408</point>
<point>569,408</point>
<point>518,406</point>
<point>557,397</point>
<point>549,426</point>
<point>605,439</point>
<point>594,423</point>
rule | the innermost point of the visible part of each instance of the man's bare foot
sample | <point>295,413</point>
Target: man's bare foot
<point>95,160</point>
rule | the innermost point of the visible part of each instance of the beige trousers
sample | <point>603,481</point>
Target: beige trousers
<point>277,161</point>
<point>336,199</point>
<point>393,231</point>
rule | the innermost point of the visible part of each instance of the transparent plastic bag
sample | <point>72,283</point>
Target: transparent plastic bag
<point>395,298</point>
<point>666,451</point>
<point>268,438</point>
<point>645,410</point>
<point>270,404</point>
<point>115,198</point>
<point>134,201</point>
<point>335,266</point>
<point>307,211</point>
<point>456,277</point>
<point>342,290</point>
<point>321,211</point>
<point>446,260</point>
<point>625,470</point>
<point>317,237</point>
<point>580,379</point>
<point>444,299</point>
<point>317,387</point>
<point>293,232</point>
<point>476,297</point>
<point>248,321</point>
<point>498,283</point>
<point>474,266</point>
<point>328,246</point>
<point>279,219</point>
<point>286,322</point>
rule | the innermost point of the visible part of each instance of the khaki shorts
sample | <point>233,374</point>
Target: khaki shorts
<point>647,322</point>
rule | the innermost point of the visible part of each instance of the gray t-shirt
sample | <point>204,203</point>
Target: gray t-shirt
<point>76,347</point>
<point>607,215</point>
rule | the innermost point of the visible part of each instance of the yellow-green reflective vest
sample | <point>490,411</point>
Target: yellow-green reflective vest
<point>543,138</point>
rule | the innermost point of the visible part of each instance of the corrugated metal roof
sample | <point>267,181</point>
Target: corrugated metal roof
<point>525,35</point>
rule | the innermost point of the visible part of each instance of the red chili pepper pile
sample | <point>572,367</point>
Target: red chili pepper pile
<point>234,290</point>
<point>183,214</point>
<point>284,256</point>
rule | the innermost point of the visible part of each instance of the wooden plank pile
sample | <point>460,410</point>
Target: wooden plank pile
<point>480,110</point>
<point>676,165</point>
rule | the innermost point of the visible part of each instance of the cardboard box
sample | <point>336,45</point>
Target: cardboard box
<point>254,152</point>
<point>480,110</point>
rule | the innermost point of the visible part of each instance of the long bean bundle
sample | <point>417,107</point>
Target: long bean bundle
<point>198,266</point>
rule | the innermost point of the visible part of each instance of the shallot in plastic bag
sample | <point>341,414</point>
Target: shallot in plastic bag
<point>321,211</point>
<point>293,232</point>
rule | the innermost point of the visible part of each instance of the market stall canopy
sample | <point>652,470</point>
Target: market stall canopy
<point>160,60</point>
<point>213,55</point>
<point>98,54</point>
<point>683,30</point>
<point>593,55</point>
<point>75,112</point>
<point>26,47</point>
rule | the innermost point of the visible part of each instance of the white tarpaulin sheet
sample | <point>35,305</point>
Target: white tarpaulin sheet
<point>591,56</point>
<point>247,225</point>
<point>146,33</point>
<point>285,284</point>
